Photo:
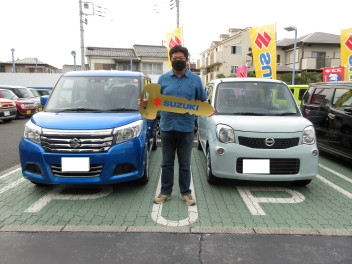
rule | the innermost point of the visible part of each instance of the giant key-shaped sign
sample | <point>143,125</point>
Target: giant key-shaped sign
<point>158,102</point>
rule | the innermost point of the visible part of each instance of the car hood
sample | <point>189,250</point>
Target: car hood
<point>24,101</point>
<point>263,124</point>
<point>83,120</point>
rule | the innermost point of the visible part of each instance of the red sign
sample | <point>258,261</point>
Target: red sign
<point>333,74</point>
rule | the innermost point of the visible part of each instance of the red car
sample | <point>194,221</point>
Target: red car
<point>25,107</point>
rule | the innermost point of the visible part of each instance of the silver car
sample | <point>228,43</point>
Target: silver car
<point>257,133</point>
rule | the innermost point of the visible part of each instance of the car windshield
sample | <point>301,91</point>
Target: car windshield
<point>8,95</point>
<point>254,98</point>
<point>25,93</point>
<point>94,94</point>
<point>35,93</point>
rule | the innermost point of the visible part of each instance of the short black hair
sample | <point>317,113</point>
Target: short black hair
<point>178,48</point>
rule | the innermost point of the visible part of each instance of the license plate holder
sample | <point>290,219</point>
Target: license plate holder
<point>256,166</point>
<point>75,164</point>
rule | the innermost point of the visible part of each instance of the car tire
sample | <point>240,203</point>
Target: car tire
<point>301,182</point>
<point>145,178</point>
<point>210,176</point>
<point>154,142</point>
<point>199,146</point>
<point>18,114</point>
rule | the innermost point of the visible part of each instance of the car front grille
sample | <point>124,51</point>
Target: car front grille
<point>259,143</point>
<point>6,106</point>
<point>95,171</point>
<point>277,166</point>
<point>76,141</point>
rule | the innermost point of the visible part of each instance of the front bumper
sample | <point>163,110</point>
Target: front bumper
<point>38,166</point>
<point>228,164</point>
<point>7,113</point>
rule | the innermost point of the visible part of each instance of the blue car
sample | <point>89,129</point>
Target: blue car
<point>90,131</point>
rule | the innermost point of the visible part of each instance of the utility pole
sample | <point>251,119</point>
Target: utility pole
<point>176,3</point>
<point>96,10</point>
<point>83,64</point>
<point>178,12</point>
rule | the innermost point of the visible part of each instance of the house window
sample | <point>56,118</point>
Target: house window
<point>236,50</point>
<point>152,68</point>
<point>126,66</point>
<point>233,69</point>
<point>278,57</point>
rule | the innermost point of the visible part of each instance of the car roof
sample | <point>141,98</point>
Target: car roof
<point>331,83</point>
<point>104,73</point>
<point>249,79</point>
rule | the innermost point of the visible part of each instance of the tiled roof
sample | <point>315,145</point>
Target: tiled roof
<point>316,37</point>
<point>150,51</point>
<point>109,52</point>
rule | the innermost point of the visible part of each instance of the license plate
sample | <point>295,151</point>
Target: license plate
<point>40,109</point>
<point>6,113</point>
<point>29,111</point>
<point>256,166</point>
<point>75,164</point>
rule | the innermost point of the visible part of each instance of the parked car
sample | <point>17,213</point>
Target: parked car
<point>43,91</point>
<point>7,110</point>
<point>90,131</point>
<point>257,133</point>
<point>25,108</point>
<point>298,91</point>
<point>25,93</point>
<point>328,105</point>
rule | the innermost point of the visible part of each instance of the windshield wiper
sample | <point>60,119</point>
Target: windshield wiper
<point>286,114</point>
<point>248,113</point>
<point>122,110</point>
<point>80,110</point>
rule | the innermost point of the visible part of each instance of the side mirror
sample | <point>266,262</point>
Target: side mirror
<point>44,99</point>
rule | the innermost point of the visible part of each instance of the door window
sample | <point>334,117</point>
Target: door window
<point>342,98</point>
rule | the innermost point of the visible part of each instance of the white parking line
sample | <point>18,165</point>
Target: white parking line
<point>11,185</point>
<point>336,173</point>
<point>158,208</point>
<point>9,173</point>
<point>333,185</point>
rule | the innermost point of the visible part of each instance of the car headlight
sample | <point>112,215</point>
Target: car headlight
<point>32,132</point>
<point>225,134</point>
<point>308,136</point>
<point>127,132</point>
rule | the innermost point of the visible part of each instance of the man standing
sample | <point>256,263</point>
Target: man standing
<point>177,130</point>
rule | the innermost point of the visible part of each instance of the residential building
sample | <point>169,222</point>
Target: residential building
<point>28,65</point>
<point>226,55</point>
<point>313,53</point>
<point>151,60</point>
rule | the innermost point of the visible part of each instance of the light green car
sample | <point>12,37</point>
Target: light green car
<point>257,133</point>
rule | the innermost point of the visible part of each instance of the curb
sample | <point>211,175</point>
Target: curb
<point>179,230</point>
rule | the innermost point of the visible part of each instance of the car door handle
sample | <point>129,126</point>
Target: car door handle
<point>331,116</point>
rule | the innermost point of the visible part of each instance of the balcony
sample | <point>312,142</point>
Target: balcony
<point>319,63</point>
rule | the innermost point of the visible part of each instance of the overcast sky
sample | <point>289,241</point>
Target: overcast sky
<point>49,30</point>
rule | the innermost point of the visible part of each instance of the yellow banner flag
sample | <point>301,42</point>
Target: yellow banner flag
<point>346,52</point>
<point>264,51</point>
<point>173,38</point>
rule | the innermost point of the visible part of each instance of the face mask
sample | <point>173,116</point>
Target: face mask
<point>178,65</point>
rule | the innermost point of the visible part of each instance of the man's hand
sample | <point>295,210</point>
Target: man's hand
<point>145,102</point>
